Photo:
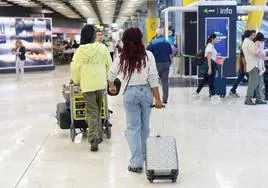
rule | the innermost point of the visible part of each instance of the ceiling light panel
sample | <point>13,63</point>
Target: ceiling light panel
<point>4,4</point>
<point>24,3</point>
<point>84,7</point>
<point>107,10</point>
<point>60,7</point>
<point>128,9</point>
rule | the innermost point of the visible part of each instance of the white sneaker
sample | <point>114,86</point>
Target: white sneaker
<point>215,98</point>
<point>196,95</point>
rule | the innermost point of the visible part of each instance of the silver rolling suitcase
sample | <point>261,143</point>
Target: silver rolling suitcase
<point>161,161</point>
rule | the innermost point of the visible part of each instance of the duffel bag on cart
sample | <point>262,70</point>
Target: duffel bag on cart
<point>63,116</point>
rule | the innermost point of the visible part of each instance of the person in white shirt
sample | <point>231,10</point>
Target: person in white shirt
<point>111,46</point>
<point>252,56</point>
<point>139,72</point>
<point>208,68</point>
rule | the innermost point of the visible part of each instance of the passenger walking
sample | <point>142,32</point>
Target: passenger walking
<point>138,69</point>
<point>252,56</point>
<point>162,52</point>
<point>208,68</point>
<point>241,74</point>
<point>20,59</point>
<point>242,70</point>
<point>89,68</point>
<point>111,46</point>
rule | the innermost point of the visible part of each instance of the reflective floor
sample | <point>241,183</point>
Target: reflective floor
<point>219,145</point>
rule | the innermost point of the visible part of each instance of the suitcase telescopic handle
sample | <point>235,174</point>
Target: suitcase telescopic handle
<point>153,106</point>
<point>163,122</point>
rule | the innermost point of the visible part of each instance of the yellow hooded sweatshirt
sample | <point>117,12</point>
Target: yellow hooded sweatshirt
<point>90,67</point>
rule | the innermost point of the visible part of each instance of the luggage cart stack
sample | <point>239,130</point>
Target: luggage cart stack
<point>73,94</point>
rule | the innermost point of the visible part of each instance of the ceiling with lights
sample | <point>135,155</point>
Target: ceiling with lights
<point>101,11</point>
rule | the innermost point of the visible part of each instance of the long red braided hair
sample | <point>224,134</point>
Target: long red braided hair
<point>133,55</point>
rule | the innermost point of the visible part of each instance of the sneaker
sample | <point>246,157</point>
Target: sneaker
<point>164,101</point>
<point>136,170</point>
<point>260,102</point>
<point>215,98</point>
<point>232,94</point>
<point>250,103</point>
<point>94,145</point>
<point>196,95</point>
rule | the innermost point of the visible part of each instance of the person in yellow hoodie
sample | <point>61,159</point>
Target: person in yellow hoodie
<point>89,68</point>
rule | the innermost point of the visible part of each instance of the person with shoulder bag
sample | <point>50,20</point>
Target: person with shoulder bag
<point>208,68</point>
<point>138,69</point>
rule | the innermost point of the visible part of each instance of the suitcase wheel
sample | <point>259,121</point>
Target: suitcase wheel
<point>174,180</point>
<point>72,132</point>
<point>108,132</point>
<point>107,129</point>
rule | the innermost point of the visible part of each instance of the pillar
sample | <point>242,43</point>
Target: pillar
<point>152,20</point>
<point>187,2</point>
<point>255,18</point>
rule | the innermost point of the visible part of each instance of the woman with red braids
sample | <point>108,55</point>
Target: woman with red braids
<point>139,72</point>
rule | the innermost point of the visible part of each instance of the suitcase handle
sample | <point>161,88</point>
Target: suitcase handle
<point>153,106</point>
<point>163,123</point>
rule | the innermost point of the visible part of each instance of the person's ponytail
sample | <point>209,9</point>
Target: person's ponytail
<point>211,37</point>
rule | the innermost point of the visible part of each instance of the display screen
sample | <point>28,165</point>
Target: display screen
<point>219,26</point>
<point>36,36</point>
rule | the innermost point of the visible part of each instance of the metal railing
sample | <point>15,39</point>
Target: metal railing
<point>191,60</point>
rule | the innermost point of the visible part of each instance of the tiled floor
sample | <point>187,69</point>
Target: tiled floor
<point>220,145</point>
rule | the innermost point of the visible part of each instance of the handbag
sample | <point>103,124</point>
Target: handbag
<point>117,84</point>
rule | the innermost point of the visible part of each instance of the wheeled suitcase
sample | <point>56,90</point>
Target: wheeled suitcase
<point>161,162</point>
<point>63,116</point>
<point>220,84</point>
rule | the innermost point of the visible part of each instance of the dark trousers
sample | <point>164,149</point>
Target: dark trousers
<point>240,77</point>
<point>266,89</point>
<point>112,55</point>
<point>163,72</point>
<point>207,79</point>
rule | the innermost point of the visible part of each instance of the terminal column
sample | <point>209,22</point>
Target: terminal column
<point>152,20</point>
<point>255,18</point>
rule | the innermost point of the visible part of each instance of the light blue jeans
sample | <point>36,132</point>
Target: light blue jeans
<point>137,103</point>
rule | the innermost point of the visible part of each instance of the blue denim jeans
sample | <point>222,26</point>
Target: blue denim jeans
<point>137,103</point>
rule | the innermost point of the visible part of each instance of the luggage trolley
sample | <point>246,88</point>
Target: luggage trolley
<point>77,112</point>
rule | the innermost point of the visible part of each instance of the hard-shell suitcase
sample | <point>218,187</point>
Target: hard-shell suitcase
<point>161,160</point>
<point>63,116</point>
<point>220,84</point>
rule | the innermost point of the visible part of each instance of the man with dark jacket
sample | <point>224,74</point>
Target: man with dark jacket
<point>162,52</point>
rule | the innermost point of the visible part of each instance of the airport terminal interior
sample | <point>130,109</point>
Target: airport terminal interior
<point>213,139</point>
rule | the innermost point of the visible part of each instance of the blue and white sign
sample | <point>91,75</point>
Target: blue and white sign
<point>220,27</point>
<point>219,17</point>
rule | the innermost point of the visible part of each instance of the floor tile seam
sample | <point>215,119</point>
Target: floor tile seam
<point>31,162</point>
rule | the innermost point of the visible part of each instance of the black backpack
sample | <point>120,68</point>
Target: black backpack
<point>199,58</point>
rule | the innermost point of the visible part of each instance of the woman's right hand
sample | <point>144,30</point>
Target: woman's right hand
<point>158,104</point>
<point>209,71</point>
<point>112,89</point>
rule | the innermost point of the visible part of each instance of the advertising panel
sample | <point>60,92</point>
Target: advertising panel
<point>219,26</point>
<point>36,36</point>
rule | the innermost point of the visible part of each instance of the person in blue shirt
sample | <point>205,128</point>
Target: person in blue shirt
<point>162,52</point>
